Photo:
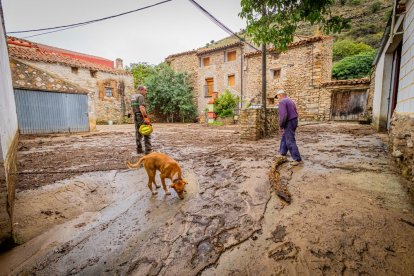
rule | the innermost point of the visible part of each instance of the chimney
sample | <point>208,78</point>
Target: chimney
<point>119,64</point>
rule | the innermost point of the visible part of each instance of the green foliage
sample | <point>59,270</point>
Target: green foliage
<point>357,66</point>
<point>376,6</point>
<point>280,19</point>
<point>140,71</point>
<point>373,40</point>
<point>346,48</point>
<point>216,123</point>
<point>170,95</point>
<point>355,2</point>
<point>225,104</point>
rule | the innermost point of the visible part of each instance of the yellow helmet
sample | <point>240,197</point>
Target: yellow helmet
<point>145,129</point>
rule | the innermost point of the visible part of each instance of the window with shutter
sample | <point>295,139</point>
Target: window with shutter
<point>231,80</point>
<point>231,56</point>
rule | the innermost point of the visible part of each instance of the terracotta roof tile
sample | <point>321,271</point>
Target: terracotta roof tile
<point>302,42</point>
<point>181,54</point>
<point>26,50</point>
<point>346,82</point>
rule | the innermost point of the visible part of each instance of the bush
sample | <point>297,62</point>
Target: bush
<point>140,71</point>
<point>354,67</point>
<point>346,48</point>
<point>170,95</point>
<point>225,104</point>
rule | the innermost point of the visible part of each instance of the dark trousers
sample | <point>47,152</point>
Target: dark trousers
<point>288,142</point>
<point>138,137</point>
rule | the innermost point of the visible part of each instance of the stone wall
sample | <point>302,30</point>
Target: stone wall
<point>106,108</point>
<point>401,141</point>
<point>30,78</point>
<point>219,70</point>
<point>302,70</point>
<point>251,122</point>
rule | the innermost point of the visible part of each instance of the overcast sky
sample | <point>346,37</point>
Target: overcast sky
<point>145,36</point>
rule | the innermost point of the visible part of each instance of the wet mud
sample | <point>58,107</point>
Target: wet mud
<point>79,211</point>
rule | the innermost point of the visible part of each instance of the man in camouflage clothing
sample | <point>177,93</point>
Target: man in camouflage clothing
<point>141,117</point>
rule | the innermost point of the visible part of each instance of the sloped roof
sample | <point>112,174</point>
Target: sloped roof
<point>346,82</point>
<point>27,50</point>
<point>306,41</point>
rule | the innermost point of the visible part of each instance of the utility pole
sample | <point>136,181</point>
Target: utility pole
<point>264,80</point>
<point>264,87</point>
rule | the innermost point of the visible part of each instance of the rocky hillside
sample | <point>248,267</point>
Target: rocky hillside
<point>368,20</point>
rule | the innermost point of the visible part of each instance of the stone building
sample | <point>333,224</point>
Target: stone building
<point>393,103</point>
<point>9,137</point>
<point>38,67</point>
<point>236,66</point>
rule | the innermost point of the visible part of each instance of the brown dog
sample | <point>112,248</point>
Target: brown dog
<point>168,168</point>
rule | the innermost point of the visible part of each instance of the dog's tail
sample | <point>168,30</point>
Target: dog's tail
<point>137,164</point>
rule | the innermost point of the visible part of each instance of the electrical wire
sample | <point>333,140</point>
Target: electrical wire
<point>74,25</point>
<point>220,24</point>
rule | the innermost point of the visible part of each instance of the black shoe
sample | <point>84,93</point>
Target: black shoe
<point>148,152</point>
<point>139,151</point>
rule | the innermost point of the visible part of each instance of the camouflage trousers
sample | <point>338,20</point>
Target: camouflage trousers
<point>138,137</point>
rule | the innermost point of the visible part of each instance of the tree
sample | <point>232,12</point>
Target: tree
<point>225,104</point>
<point>140,71</point>
<point>346,48</point>
<point>275,21</point>
<point>357,66</point>
<point>170,95</point>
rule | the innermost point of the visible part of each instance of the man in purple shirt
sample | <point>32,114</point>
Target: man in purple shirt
<point>288,122</point>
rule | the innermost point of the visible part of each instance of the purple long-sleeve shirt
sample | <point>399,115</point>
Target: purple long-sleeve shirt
<point>287,111</point>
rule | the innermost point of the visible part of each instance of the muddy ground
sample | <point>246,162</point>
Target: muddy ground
<point>79,211</point>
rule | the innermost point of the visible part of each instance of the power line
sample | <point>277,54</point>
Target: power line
<point>220,24</point>
<point>69,26</point>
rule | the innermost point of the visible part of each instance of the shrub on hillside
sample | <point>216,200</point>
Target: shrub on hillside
<point>353,67</point>
<point>346,48</point>
<point>376,6</point>
<point>225,104</point>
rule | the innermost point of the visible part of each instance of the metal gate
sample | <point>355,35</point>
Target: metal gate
<point>51,112</point>
<point>349,105</point>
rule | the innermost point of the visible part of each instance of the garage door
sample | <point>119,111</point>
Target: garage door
<point>349,105</point>
<point>51,112</point>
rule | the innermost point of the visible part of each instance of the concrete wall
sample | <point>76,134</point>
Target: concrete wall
<point>402,124</point>
<point>8,141</point>
<point>105,108</point>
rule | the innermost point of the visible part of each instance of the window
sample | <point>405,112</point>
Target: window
<point>93,73</point>
<point>206,61</point>
<point>231,80</point>
<point>108,91</point>
<point>275,74</point>
<point>75,70</point>
<point>231,56</point>
<point>209,87</point>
